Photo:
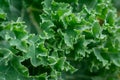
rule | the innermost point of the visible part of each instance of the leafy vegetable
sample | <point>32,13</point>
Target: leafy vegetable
<point>75,37</point>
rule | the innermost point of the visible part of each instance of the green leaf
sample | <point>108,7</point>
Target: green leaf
<point>5,55</point>
<point>60,63</point>
<point>80,48</point>
<point>2,15</point>
<point>19,45</point>
<point>98,55</point>
<point>41,50</point>
<point>16,64</point>
<point>47,3</point>
<point>6,34</point>
<point>52,60</point>
<point>33,55</point>
<point>67,40</point>
<point>69,67</point>
<point>111,18</point>
<point>11,72</point>
<point>96,28</point>
<point>47,31</point>
<point>115,59</point>
<point>70,36</point>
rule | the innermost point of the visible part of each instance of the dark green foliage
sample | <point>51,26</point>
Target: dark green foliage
<point>76,39</point>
